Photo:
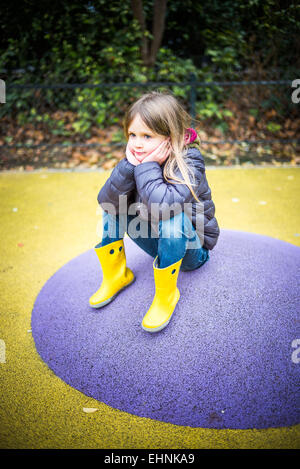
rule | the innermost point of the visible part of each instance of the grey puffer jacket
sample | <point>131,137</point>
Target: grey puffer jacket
<point>145,185</point>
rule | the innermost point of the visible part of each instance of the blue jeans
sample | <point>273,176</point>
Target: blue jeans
<point>176,239</point>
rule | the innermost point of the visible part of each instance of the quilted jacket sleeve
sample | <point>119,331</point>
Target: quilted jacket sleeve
<point>120,183</point>
<point>153,189</point>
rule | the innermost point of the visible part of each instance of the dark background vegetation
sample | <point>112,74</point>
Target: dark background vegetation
<point>101,41</point>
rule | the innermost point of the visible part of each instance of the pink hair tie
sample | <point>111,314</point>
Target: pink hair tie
<point>190,136</point>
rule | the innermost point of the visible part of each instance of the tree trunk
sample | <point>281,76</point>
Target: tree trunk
<point>149,48</point>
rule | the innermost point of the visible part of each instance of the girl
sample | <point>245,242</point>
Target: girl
<point>163,169</point>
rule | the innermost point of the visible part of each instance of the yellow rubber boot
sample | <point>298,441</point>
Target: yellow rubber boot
<point>116,276</point>
<point>165,299</point>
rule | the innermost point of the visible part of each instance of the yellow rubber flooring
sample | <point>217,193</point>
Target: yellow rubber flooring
<point>48,218</point>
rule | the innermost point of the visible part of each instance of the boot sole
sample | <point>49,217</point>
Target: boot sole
<point>106,302</point>
<point>157,329</point>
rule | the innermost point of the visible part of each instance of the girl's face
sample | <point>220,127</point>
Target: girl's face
<point>142,140</point>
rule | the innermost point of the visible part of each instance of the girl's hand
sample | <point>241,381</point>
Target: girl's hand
<point>161,153</point>
<point>130,156</point>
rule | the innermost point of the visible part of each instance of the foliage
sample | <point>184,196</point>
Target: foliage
<point>98,42</point>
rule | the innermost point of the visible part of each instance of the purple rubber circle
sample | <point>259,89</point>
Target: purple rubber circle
<point>227,359</point>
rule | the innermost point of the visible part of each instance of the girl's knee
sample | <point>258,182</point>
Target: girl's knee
<point>172,227</point>
<point>195,260</point>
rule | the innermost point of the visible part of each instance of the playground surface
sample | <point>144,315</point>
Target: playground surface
<point>47,219</point>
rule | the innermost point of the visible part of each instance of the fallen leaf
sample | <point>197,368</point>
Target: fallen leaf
<point>271,113</point>
<point>78,156</point>
<point>106,149</point>
<point>89,410</point>
<point>118,154</point>
<point>251,120</point>
<point>93,156</point>
<point>109,164</point>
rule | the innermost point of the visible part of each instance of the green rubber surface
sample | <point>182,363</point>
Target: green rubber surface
<point>47,219</point>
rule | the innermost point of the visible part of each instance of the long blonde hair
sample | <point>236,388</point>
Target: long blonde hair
<point>164,115</point>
